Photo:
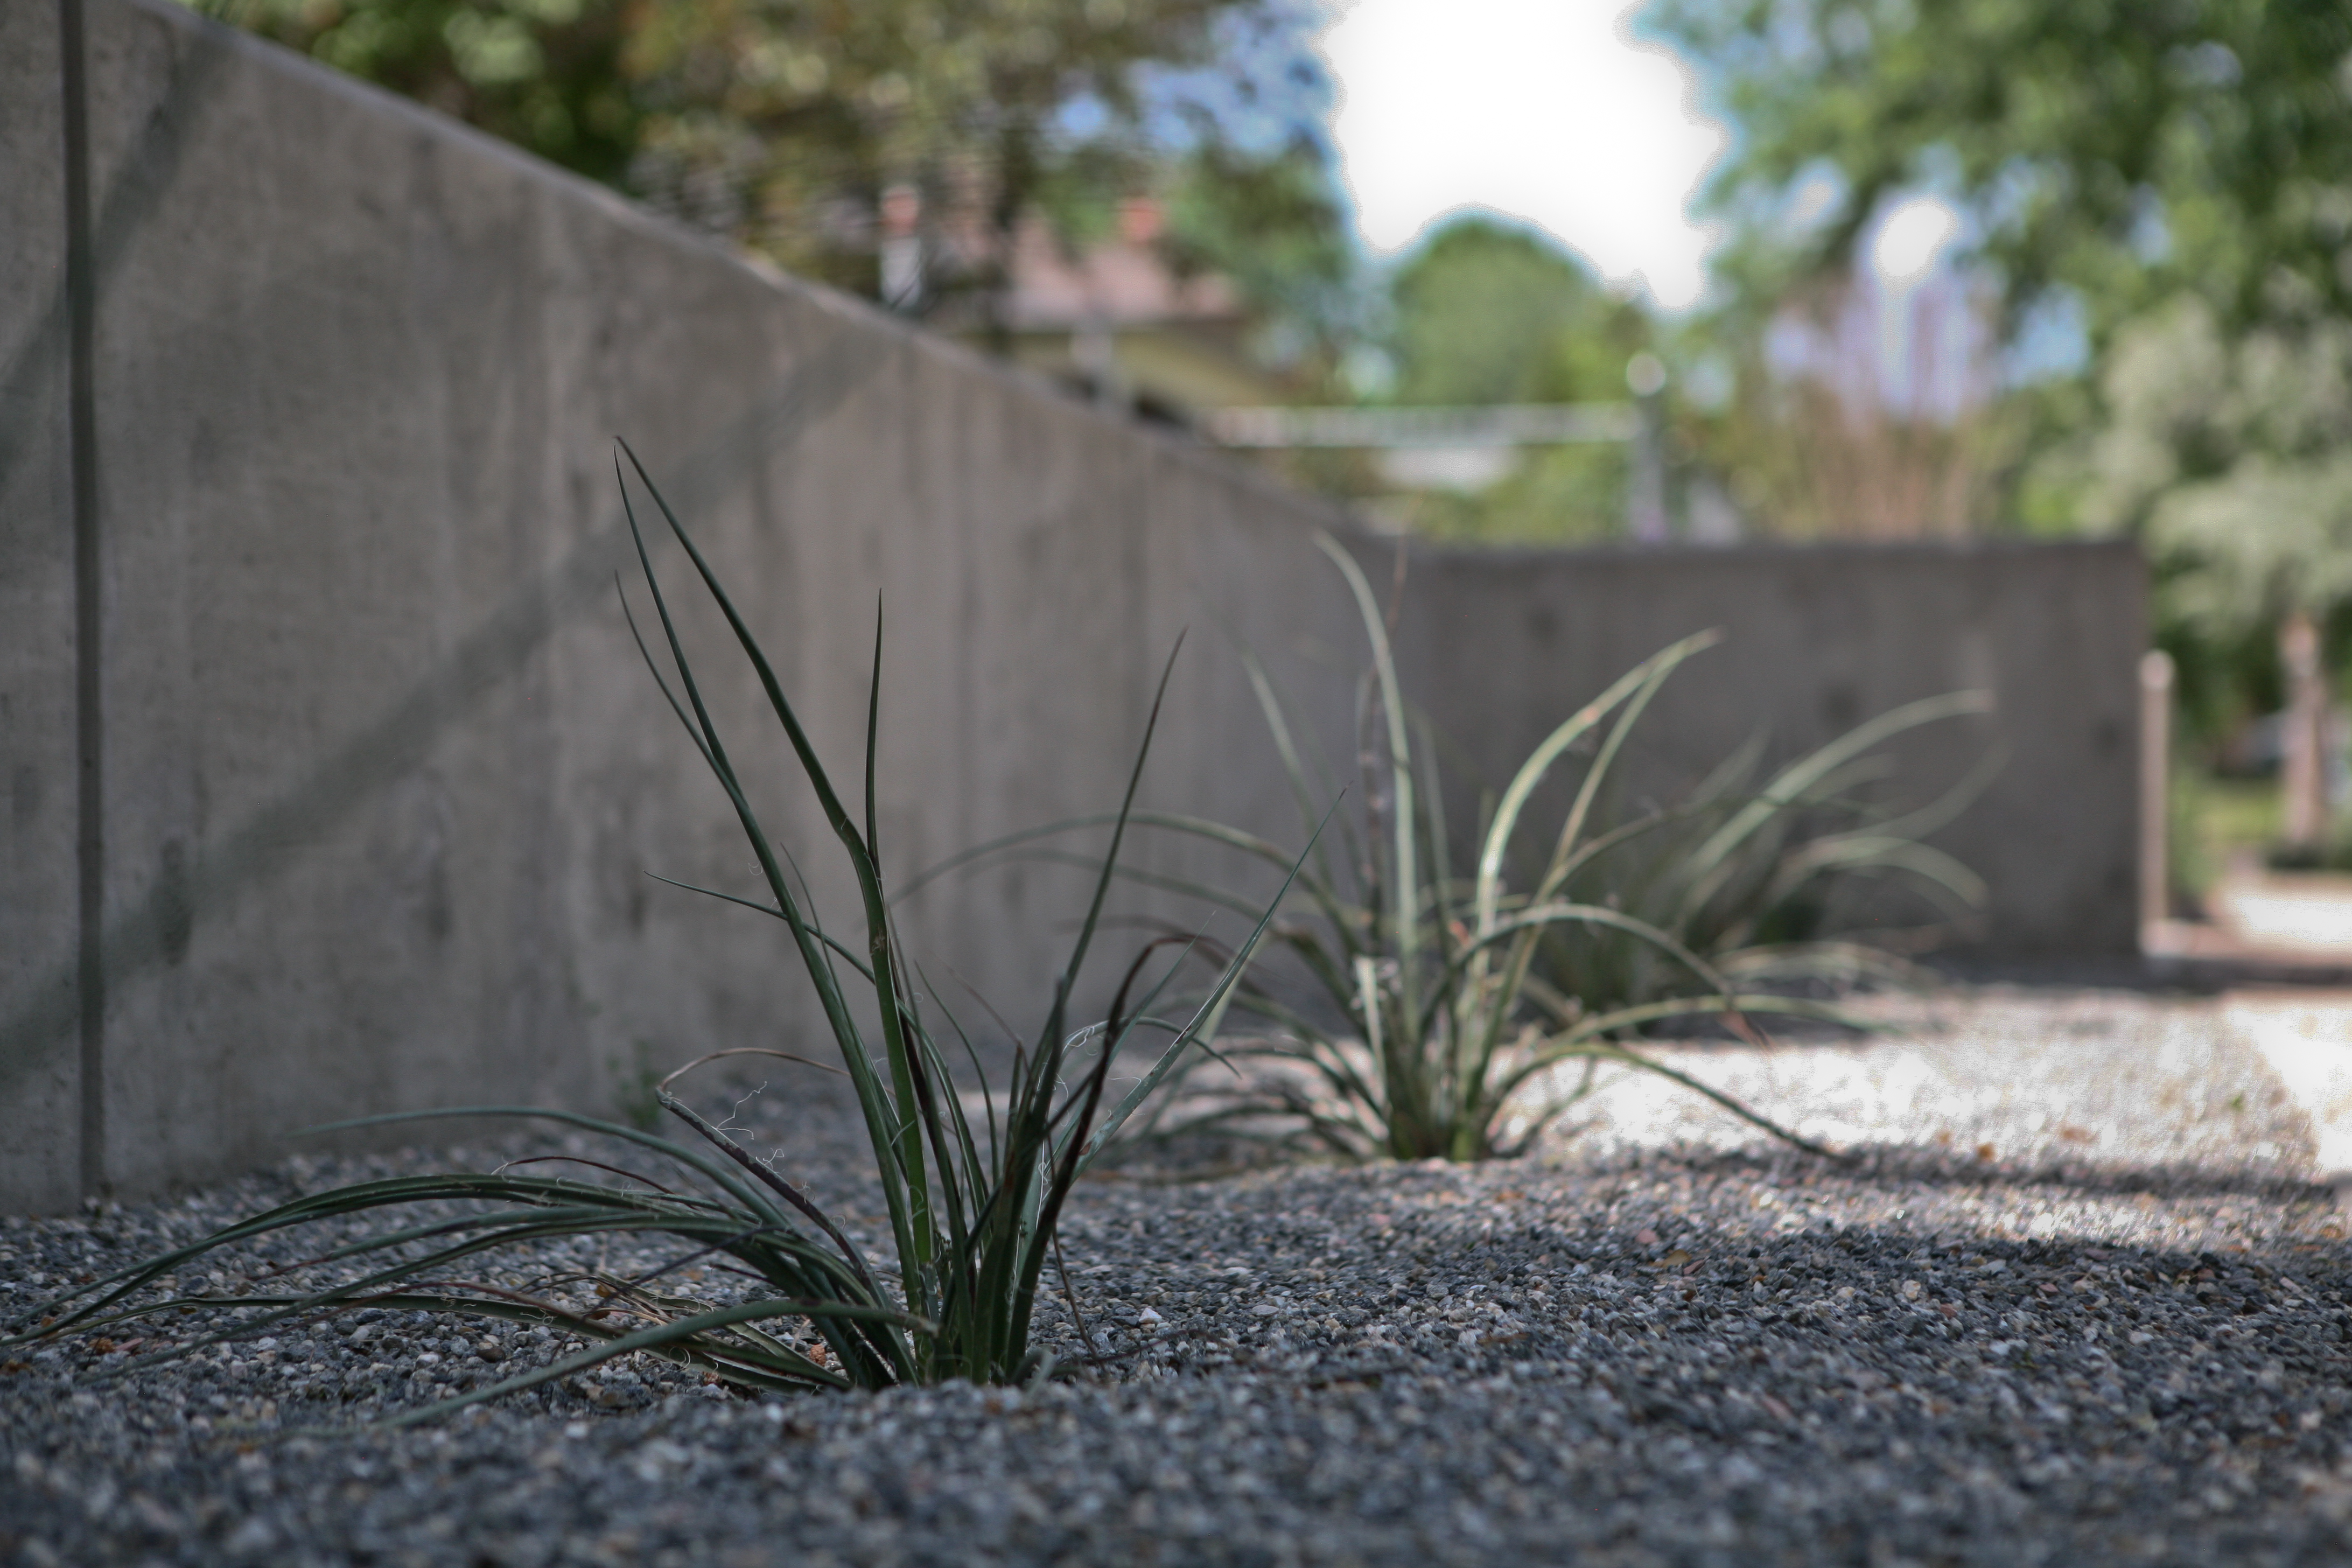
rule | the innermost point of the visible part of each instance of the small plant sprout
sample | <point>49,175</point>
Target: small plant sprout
<point>972,1212</point>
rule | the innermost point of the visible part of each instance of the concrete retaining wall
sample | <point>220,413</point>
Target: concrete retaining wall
<point>337,735</point>
<point>1816,641</point>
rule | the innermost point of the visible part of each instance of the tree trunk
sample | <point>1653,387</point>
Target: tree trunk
<point>2301,740</point>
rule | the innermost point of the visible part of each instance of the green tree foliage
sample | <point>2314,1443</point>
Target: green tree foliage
<point>2231,455</point>
<point>1276,226</point>
<point>2173,175</point>
<point>779,122</point>
<point>2235,451</point>
<point>1491,312</point>
<point>2119,150</point>
<point>548,75</point>
<point>1488,312</point>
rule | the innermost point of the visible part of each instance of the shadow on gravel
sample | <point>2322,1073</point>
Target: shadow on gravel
<point>1906,1164</point>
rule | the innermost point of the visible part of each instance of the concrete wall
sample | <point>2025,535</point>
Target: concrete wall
<point>1816,641</point>
<point>383,773</point>
<point>378,773</point>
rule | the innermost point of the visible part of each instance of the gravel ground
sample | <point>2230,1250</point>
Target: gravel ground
<point>2072,1300</point>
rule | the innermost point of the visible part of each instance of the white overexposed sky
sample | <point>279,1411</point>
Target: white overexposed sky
<point>1546,111</point>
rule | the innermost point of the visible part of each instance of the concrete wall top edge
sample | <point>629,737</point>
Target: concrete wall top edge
<point>850,309</point>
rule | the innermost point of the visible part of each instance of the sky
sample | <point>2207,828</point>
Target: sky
<point>1546,111</point>
<point>1555,113</point>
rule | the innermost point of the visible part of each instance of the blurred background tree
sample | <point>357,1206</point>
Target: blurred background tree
<point>2110,154</point>
<point>779,124</point>
<point>1844,405</point>
<point>2156,201</point>
<point>547,75</point>
<point>1486,312</point>
<point>2232,456</point>
<point>1275,224</point>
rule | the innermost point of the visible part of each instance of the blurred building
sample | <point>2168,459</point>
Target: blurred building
<point>1113,321</point>
<point>1118,321</point>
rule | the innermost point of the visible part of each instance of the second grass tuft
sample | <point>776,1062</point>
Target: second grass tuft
<point>1424,1008</point>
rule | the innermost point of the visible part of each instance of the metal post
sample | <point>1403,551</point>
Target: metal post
<point>2303,736</point>
<point>2154,799</point>
<point>1645,488</point>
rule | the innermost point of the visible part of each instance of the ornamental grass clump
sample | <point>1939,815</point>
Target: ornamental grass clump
<point>1757,878</point>
<point>972,1211</point>
<point>1420,1007</point>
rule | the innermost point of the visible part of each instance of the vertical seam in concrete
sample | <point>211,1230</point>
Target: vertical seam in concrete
<point>81,305</point>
